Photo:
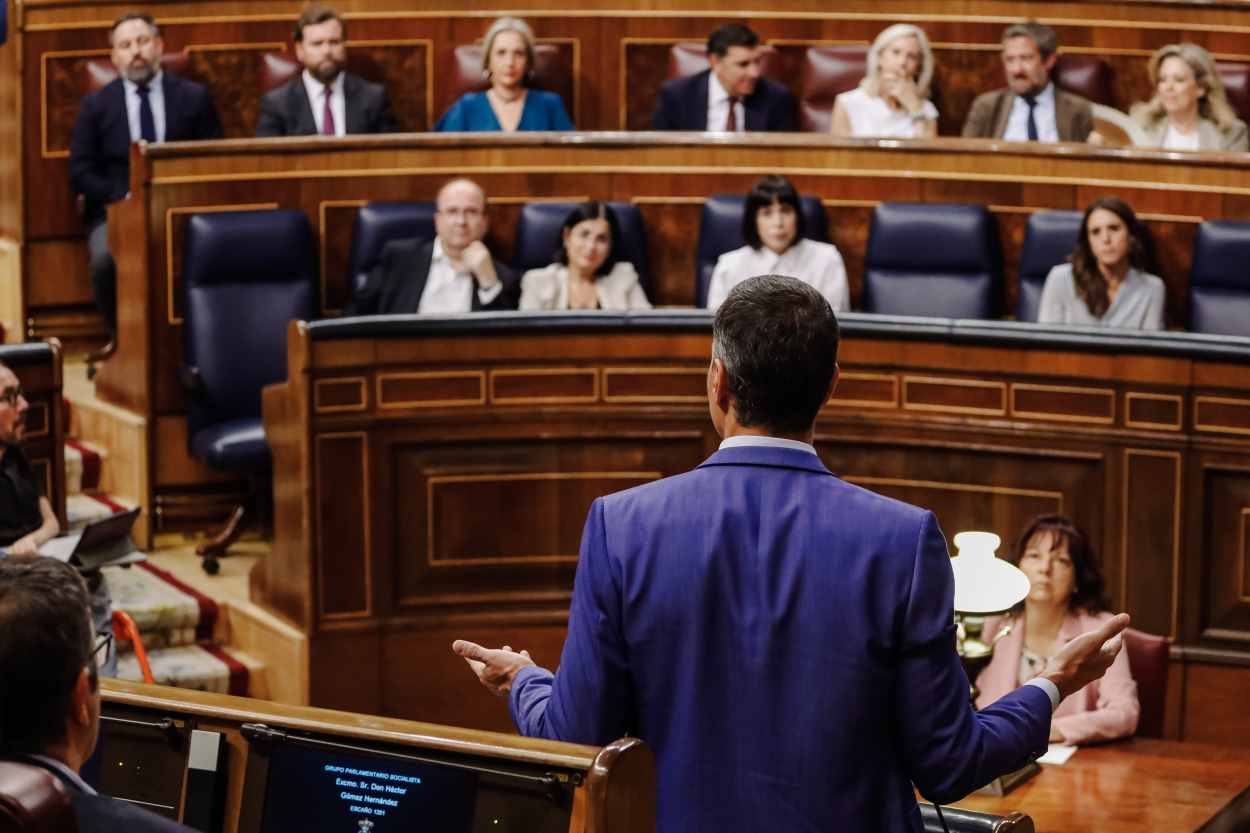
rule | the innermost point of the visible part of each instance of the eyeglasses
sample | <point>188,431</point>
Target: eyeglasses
<point>9,396</point>
<point>104,639</point>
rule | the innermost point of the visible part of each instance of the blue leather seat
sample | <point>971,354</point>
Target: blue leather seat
<point>538,236</point>
<point>932,259</point>
<point>1219,279</point>
<point>378,223</point>
<point>720,231</point>
<point>246,274</point>
<point>1049,239</point>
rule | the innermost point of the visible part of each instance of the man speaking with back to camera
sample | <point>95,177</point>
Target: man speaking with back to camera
<point>782,639</point>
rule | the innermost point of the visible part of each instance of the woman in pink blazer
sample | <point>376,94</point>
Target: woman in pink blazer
<point>1065,599</point>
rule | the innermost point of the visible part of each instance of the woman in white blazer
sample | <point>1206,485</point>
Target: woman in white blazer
<point>588,272</point>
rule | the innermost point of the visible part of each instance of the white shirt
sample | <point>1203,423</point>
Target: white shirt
<point>449,291</point>
<point>870,115</point>
<point>815,263</point>
<point>746,440</point>
<point>317,101</point>
<point>156,98</point>
<point>718,106</point>
<point>1043,116</point>
<point>1175,140</point>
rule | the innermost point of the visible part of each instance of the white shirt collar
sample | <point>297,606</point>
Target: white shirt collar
<point>716,92</point>
<point>754,441</point>
<point>316,90</point>
<point>1046,96</point>
<point>439,255</point>
<point>66,772</point>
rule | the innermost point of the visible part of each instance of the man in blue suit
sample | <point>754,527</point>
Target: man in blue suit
<point>731,96</point>
<point>782,639</point>
<point>143,103</point>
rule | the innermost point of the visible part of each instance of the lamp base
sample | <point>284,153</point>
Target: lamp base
<point>1004,784</point>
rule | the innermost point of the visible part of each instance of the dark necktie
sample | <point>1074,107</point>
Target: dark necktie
<point>327,118</point>
<point>147,123</point>
<point>731,120</point>
<point>1032,102</point>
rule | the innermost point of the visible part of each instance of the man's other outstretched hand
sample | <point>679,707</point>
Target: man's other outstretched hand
<point>1087,657</point>
<point>494,667</point>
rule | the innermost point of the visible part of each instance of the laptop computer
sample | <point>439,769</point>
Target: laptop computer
<point>100,543</point>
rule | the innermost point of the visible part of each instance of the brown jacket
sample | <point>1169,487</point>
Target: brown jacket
<point>988,117</point>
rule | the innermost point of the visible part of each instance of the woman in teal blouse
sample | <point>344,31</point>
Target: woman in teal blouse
<point>508,105</point>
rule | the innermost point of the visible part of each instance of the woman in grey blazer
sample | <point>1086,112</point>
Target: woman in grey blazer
<point>1189,110</point>
<point>589,272</point>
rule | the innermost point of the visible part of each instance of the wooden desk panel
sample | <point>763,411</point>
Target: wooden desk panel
<point>1134,785</point>
<point>447,499</point>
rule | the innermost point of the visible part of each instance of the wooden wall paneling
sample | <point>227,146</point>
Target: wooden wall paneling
<point>344,550</point>
<point>345,669</point>
<point>335,223</point>
<point>672,267</point>
<point>1150,538</point>
<point>11,140</point>
<point>1225,572</point>
<point>57,273</point>
<point>1214,705</point>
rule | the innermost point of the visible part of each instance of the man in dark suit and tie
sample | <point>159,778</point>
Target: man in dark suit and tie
<point>784,640</point>
<point>453,273</point>
<point>324,100</point>
<point>49,692</point>
<point>143,103</point>
<point>731,96</point>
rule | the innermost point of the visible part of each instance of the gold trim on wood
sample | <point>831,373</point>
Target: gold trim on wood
<point>1132,396</point>
<point>496,399</point>
<point>41,407</point>
<point>512,478</point>
<point>1243,595</point>
<point>955,409</point>
<point>866,403</point>
<point>1109,393</point>
<point>1174,456</point>
<point>174,319</point>
<point>1199,425</point>
<point>321,244</point>
<point>366,550</point>
<point>867,480</point>
<point>523,200</point>
<point>609,372</point>
<point>232,47</point>
<point>395,404</point>
<point>43,94</point>
<point>360,381</point>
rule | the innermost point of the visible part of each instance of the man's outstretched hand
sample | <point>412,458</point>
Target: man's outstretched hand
<point>494,667</point>
<point>1087,657</point>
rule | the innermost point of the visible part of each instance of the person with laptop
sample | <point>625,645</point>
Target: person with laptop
<point>27,520</point>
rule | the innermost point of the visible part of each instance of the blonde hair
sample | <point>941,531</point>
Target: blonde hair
<point>1212,105</point>
<point>509,24</point>
<point>924,77</point>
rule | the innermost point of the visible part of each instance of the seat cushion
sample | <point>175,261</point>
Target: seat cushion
<point>378,223</point>
<point>237,445</point>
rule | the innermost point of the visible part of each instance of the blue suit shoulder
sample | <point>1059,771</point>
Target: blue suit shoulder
<point>102,814</point>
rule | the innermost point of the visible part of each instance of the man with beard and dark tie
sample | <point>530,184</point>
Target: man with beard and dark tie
<point>145,103</point>
<point>323,100</point>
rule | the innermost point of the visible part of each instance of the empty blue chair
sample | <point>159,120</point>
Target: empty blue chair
<point>378,223</point>
<point>538,236</point>
<point>1219,279</point>
<point>1049,239</point>
<point>932,259</point>
<point>720,231</point>
<point>246,274</point>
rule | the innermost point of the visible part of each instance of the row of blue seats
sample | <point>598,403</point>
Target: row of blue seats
<point>923,258</point>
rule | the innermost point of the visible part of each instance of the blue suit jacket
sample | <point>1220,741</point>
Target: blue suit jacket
<point>784,642</point>
<point>99,149</point>
<point>682,105</point>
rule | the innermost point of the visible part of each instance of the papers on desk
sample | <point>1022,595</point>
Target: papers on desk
<point>1057,754</point>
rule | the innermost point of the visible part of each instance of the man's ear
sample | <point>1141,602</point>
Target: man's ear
<point>80,713</point>
<point>718,384</point>
<point>1049,61</point>
<point>833,383</point>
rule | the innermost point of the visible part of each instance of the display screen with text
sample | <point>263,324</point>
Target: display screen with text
<point>335,792</point>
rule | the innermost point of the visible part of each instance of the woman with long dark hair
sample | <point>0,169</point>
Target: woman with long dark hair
<point>590,269</point>
<point>1066,598</point>
<point>1107,282</point>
